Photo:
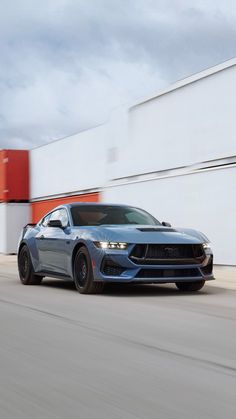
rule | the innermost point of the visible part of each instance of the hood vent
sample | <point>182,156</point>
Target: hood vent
<point>157,230</point>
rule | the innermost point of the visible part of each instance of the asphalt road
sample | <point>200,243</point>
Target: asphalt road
<point>137,352</point>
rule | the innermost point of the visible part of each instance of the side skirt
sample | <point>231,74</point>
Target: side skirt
<point>55,275</point>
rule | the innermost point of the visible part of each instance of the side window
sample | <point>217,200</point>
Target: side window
<point>55,215</point>
<point>45,221</point>
<point>60,214</point>
<point>64,217</point>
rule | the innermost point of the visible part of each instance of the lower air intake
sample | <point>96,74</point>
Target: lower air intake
<point>168,273</point>
<point>207,270</point>
<point>110,268</point>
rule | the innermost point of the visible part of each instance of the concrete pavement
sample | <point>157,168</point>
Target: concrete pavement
<point>133,352</point>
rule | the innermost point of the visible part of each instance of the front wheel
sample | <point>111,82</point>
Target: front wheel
<point>190,286</point>
<point>25,267</point>
<point>83,274</point>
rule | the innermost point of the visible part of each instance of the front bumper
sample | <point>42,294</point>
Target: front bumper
<point>116,266</point>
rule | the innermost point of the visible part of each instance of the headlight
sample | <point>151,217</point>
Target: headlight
<point>111,245</point>
<point>207,247</point>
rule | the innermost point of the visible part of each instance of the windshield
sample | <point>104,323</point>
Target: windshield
<point>91,215</point>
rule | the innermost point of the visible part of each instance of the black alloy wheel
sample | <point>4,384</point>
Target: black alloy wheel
<point>82,269</point>
<point>25,268</point>
<point>83,274</point>
<point>190,286</point>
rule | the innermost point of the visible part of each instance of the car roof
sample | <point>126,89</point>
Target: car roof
<point>93,204</point>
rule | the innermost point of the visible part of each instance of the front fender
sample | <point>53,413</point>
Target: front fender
<point>95,253</point>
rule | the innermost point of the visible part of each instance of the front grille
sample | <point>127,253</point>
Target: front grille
<point>167,273</point>
<point>110,268</point>
<point>170,254</point>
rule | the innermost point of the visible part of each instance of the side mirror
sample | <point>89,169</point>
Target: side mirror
<point>164,223</point>
<point>55,223</point>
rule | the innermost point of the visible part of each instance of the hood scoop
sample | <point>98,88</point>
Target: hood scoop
<point>156,229</point>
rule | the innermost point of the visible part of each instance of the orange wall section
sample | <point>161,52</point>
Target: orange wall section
<point>14,175</point>
<point>40,208</point>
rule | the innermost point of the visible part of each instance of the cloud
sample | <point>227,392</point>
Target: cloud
<point>65,64</point>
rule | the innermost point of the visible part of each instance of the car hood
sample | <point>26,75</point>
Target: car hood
<point>142,234</point>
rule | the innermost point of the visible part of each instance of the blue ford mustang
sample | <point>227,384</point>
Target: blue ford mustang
<point>93,244</point>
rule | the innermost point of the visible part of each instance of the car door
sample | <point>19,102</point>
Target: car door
<point>51,243</point>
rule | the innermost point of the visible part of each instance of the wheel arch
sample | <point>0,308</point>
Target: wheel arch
<point>23,243</point>
<point>75,250</point>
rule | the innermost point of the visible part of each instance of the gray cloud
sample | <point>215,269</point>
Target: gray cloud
<point>66,63</point>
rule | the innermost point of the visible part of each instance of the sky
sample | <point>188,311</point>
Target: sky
<point>66,64</point>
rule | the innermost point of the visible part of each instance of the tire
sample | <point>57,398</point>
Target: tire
<point>190,286</point>
<point>25,268</point>
<point>83,274</point>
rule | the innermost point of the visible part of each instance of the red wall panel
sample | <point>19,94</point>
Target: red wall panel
<point>2,175</point>
<point>40,208</point>
<point>14,175</point>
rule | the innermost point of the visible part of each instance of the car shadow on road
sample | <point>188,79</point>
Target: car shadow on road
<point>157,290</point>
<point>135,290</point>
<point>58,283</point>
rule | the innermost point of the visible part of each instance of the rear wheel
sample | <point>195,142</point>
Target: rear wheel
<point>83,274</point>
<point>25,267</point>
<point>190,286</point>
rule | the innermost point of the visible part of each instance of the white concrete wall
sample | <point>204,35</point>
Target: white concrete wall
<point>205,201</point>
<point>13,217</point>
<point>192,124</point>
<point>3,226</point>
<point>69,165</point>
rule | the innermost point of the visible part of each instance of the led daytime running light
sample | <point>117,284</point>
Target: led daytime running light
<point>112,245</point>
